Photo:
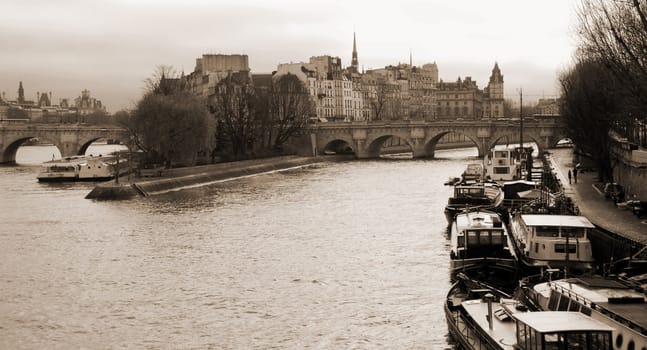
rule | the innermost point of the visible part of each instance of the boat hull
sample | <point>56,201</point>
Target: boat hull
<point>500,272</point>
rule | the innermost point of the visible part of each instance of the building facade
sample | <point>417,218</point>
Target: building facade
<point>210,69</point>
<point>396,92</point>
<point>44,109</point>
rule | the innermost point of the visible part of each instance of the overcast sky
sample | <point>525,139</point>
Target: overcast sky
<point>109,47</point>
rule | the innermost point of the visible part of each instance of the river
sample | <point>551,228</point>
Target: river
<point>349,255</point>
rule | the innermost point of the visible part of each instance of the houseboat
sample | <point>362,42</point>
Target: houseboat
<point>482,249</point>
<point>483,319</point>
<point>81,168</point>
<point>558,241</point>
<point>472,195</point>
<point>504,163</point>
<point>611,301</point>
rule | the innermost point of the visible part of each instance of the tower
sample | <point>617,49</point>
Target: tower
<point>354,64</point>
<point>496,83</point>
<point>21,94</point>
<point>494,95</point>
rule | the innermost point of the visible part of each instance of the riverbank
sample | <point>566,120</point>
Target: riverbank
<point>180,178</point>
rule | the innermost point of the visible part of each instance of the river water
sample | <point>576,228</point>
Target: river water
<point>349,255</point>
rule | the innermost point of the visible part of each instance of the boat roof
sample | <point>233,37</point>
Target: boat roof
<point>478,219</point>
<point>524,182</point>
<point>609,294</point>
<point>561,321</point>
<point>556,220</point>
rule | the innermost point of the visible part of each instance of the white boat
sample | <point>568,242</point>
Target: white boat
<point>473,172</point>
<point>552,241</point>
<point>81,168</point>
<point>502,163</point>
<point>482,249</point>
<point>610,301</point>
<point>481,319</point>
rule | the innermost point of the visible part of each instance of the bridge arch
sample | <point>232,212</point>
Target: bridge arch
<point>503,138</point>
<point>375,144</point>
<point>432,142</point>
<point>339,146</point>
<point>11,149</point>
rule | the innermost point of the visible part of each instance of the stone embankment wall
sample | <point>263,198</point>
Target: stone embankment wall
<point>630,170</point>
<point>175,179</point>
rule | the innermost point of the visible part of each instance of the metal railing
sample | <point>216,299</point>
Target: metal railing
<point>634,130</point>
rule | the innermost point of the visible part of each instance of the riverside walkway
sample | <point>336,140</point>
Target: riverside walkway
<point>591,202</point>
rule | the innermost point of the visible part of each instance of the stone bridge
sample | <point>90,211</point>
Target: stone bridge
<point>366,139</point>
<point>70,139</point>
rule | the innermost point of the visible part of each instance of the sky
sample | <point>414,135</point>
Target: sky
<point>111,46</point>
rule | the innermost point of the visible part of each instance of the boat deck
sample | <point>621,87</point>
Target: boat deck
<point>503,331</point>
<point>611,297</point>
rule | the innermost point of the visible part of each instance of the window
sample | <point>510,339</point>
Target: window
<point>547,231</point>
<point>561,248</point>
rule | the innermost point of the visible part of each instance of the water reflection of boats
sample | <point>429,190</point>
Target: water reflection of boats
<point>617,303</point>
<point>481,318</point>
<point>82,168</point>
<point>481,248</point>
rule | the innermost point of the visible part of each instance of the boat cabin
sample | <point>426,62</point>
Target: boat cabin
<point>479,234</point>
<point>501,164</point>
<point>473,172</point>
<point>554,237</point>
<point>561,330</point>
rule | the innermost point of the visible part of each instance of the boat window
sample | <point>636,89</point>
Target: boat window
<point>552,341</point>
<point>537,344</point>
<point>576,341</point>
<point>600,341</point>
<point>575,306</point>
<point>563,304</point>
<point>522,340</point>
<point>547,231</point>
<point>554,299</point>
<point>572,232</point>
<point>561,248</point>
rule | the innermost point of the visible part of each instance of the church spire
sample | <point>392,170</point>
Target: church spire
<point>354,64</point>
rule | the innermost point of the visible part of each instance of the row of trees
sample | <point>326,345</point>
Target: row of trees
<point>607,85</point>
<point>238,120</point>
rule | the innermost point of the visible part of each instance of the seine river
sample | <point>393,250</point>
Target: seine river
<point>349,255</point>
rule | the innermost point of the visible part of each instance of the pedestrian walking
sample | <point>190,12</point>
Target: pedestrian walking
<point>569,176</point>
<point>575,175</point>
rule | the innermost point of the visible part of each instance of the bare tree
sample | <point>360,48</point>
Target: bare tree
<point>615,34</point>
<point>381,100</point>
<point>173,128</point>
<point>290,107</point>
<point>163,80</point>
<point>589,104</point>
<point>169,124</point>
<point>234,105</point>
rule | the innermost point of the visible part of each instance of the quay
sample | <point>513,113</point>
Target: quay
<point>618,224</point>
<point>179,178</point>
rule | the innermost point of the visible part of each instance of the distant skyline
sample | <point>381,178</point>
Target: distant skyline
<point>111,46</point>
